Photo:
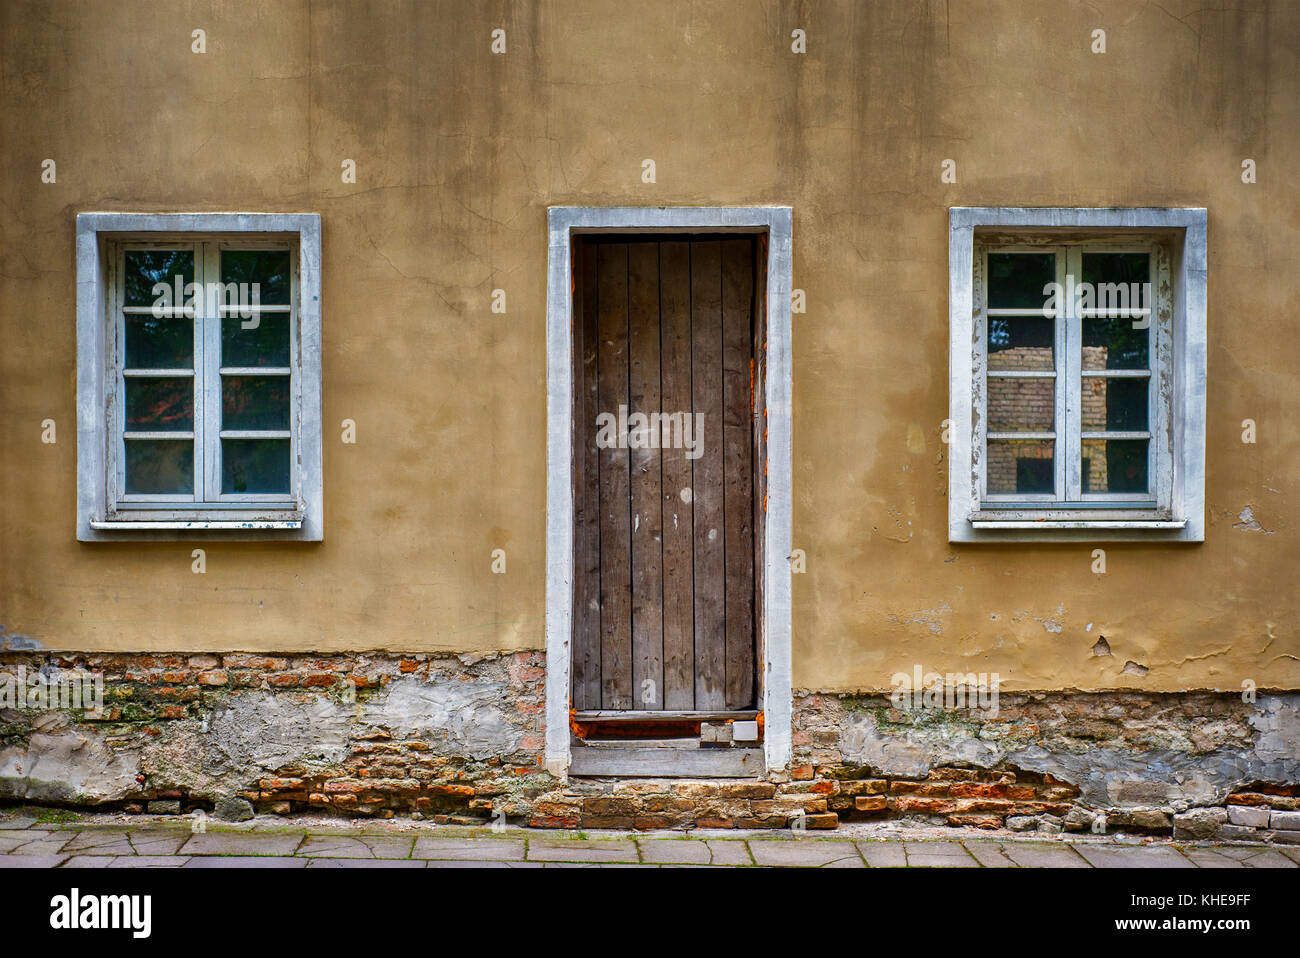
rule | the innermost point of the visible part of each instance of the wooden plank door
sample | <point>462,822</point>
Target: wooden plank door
<point>665,429</point>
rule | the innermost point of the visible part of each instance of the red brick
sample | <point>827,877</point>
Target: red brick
<point>870,803</point>
<point>931,806</point>
<point>871,786</point>
<point>973,790</point>
<point>465,791</point>
<point>822,820</point>
<point>978,821</point>
<point>553,821</point>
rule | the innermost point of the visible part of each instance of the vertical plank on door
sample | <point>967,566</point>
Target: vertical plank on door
<point>738,468</point>
<point>615,527</point>
<point>706,393</point>
<point>647,522</point>
<point>759,412</point>
<point>586,540</point>
<point>675,399</point>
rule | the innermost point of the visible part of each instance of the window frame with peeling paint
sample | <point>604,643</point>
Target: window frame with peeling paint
<point>1172,505</point>
<point>106,511</point>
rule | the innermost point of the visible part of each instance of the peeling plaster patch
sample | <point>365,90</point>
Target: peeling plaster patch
<point>1102,647</point>
<point>63,764</point>
<point>1248,523</point>
<point>1195,759</point>
<point>1132,668</point>
<point>911,753</point>
<point>267,730</point>
<point>927,617</point>
<point>1051,624</point>
<point>1278,723</point>
<point>467,717</point>
<point>18,643</point>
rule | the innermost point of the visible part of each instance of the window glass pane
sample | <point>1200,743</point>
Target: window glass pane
<point>269,268</point>
<point>1114,403</point>
<point>155,404</point>
<point>154,343</point>
<point>1016,280</point>
<point>1115,465</point>
<point>144,268</point>
<point>1017,342</point>
<point>1114,343</point>
<point>1021,405</point>
<point>265,343</point>
<point>159,466</point>
<point>255,402</point>
<point>255,465</point>
<point>1130,269</point>
<point>1019,466</point>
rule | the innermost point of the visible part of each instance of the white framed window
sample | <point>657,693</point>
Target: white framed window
<point>1077,374</point>
<point>198,340</point>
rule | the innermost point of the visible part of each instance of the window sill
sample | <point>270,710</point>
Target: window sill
<point>1078,523</point>
<point>195,525</point>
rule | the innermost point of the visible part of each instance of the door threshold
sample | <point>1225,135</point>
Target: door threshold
<point>641,715</point>
<point>641,761</point>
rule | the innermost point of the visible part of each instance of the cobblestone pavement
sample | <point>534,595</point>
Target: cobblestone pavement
<point>137,842</point>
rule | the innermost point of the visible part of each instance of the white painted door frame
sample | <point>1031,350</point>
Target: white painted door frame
<point>774,639</point>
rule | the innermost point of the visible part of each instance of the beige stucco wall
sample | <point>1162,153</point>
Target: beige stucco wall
<point>458,154</point>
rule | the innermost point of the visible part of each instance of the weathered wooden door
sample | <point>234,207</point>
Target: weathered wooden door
<point>666,429</point>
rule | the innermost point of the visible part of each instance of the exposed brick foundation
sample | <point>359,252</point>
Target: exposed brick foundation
<point>1150,763</point>
<point>452,738</point>
<point>458,739</point>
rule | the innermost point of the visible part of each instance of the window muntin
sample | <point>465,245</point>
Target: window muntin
<point>203,387</point>
<point>1068,413</point>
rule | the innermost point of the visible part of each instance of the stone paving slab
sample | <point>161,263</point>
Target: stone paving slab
<point>582,850</point>
<point>468,849</point>
<point>41,843</point>
<point>452,863</point>
<point>1043,855</point>
<point>100,842</point>
<point>384,844</point>
<point>242,843</point>
<point>32,861</point>
<point>151,842</point>
<point>149,861</point>
<point>990,854</point>
<point>245,861</point>
<point>688,851</point>
<point>806,853</point>
<point>938,854</point>
<point>882,854</point>
<point>1135,856</point>
<point>365,863</point>
<point>1269,858</point>
<point>345,846</point>
<point>1210,858</point>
